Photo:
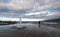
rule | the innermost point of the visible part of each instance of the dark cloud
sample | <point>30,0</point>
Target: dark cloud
<point>15,8</point>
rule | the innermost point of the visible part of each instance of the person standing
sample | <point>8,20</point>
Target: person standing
<point>39,23</point>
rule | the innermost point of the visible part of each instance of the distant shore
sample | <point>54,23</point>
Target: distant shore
<point>7,22</point>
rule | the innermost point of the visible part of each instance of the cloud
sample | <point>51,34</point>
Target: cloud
<point>43,14</point>
<point>32,14</point>
<point>37,13</point>
<point>54,14</point>
<point>32,4</point>
<point>15,5</point>
<point>48,4</point>
<point>21,4</point>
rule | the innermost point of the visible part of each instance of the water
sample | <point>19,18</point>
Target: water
<point>3,28</point>
<point>28,30</point>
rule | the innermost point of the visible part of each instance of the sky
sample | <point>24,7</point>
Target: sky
<point>44,9</point>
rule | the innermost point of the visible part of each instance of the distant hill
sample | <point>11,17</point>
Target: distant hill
<point>53,20</point>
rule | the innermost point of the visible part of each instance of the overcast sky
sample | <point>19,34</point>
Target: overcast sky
<point>30,8</point>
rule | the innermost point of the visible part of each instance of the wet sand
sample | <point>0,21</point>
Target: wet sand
<point>31,31</point>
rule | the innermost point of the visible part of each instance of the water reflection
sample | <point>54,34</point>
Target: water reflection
<point>28,30</point>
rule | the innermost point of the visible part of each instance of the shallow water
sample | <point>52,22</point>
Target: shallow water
<point>28,30</point>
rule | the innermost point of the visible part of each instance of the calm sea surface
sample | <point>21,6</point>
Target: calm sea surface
<point>29,30</point>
